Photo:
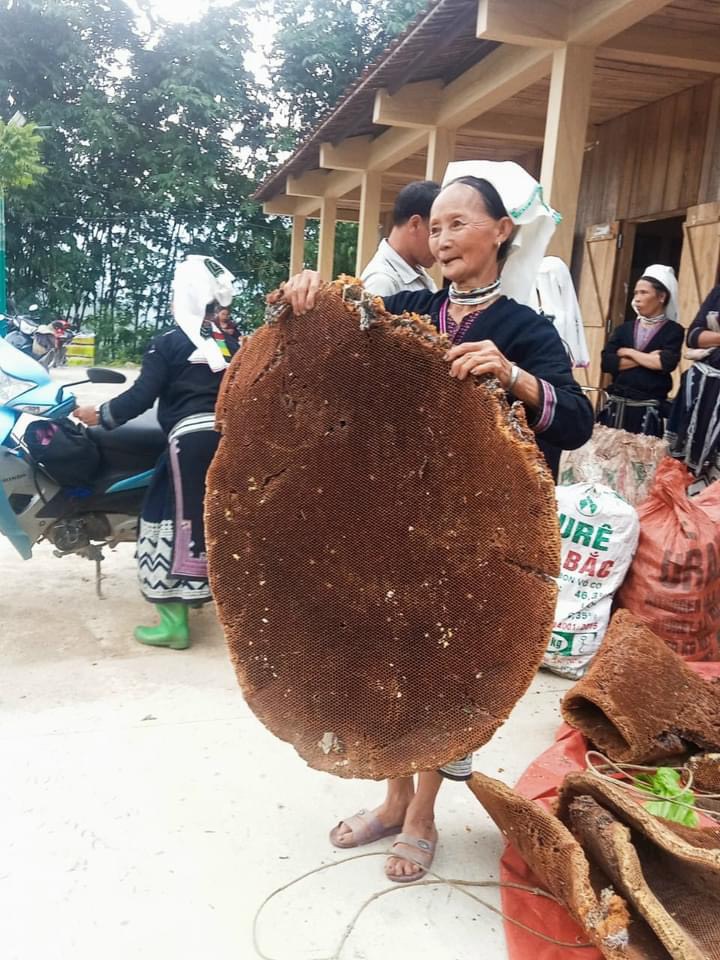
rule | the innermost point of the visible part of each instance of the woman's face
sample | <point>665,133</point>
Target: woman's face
<point>464,238</point>
<point>646,301</point>
<point>222,318</point>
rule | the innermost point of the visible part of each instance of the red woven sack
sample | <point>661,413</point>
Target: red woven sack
<point>674,580</point>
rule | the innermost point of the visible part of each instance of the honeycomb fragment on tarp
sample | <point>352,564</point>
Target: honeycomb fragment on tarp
<point>640,702</point>
<point>381,540</point>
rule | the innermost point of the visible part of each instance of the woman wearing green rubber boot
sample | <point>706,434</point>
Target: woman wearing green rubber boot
<point>182,369</point>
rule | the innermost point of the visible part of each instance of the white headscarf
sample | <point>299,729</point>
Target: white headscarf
<point>198,281</point>
<point>522,197</point>
<point>554,295</point>
<point>665,276</point>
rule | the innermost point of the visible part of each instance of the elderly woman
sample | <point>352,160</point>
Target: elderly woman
<point>641,355</point>
<point>182,369</point>
<point>488,218</point>
<point>693,427</point>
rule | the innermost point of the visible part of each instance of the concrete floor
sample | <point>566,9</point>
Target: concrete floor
<point>145,813</point>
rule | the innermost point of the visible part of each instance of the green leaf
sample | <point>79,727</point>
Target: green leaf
<point>666,783</point>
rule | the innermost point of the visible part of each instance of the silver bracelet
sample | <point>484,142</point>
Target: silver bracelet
<point>514,374</point>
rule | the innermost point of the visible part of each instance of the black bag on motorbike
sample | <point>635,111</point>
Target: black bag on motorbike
<point>65,450</point>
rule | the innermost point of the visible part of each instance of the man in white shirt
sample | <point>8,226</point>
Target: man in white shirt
<point>400,261</point>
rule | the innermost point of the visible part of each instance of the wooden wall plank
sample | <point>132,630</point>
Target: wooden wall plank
<point>710,176</point>
<point>663,147</point>
<point>697,134</point>
<point>676,166</point>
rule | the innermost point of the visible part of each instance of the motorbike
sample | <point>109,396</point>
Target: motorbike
<point>33,506</point>
<point>63,333</point>
<point>36,339</point>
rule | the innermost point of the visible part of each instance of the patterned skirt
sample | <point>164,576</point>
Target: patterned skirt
<point>635,416</point>
<point>693,429</point>
<point>171,559</point>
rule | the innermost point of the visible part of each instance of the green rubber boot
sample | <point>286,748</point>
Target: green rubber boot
<point>172,631</point>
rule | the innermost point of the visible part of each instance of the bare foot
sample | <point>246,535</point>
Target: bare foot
<point>422,827</point>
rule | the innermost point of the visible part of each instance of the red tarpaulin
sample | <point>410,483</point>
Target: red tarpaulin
<point>541,782</point>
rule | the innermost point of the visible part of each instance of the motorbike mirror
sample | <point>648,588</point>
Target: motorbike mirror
<point>33,308</point>
<point>103,375</point>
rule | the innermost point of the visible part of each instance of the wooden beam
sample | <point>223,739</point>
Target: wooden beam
<point>368,229</point>
<point>411,169</point>
<point>497,77</point>
<point>677,48</point>
<point>414,105</point>
<point>326,241</point>
<point>530,23</point>
<point>350,154</point>
<point>506,126</point>
<point>441,150</point>
<point>312,183</point>
<point>593,22</point>
<point>551,23</point>
<point>395,145</point>
<point>565,136</point>
<point>297,246</point>
<point>283,206</point>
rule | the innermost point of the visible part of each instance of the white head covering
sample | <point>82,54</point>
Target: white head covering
<point>665,276</point>
<point>198,281</point>
<point>522,196</point>
<point>554,295</point>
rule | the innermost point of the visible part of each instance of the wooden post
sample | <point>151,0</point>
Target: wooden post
<point>565,133</point>
<point>297,245</point>
<point>326,243</point>
<point>368,232</point>
<point>440,151</point>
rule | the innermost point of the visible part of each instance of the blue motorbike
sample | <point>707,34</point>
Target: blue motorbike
<point>33,506</point>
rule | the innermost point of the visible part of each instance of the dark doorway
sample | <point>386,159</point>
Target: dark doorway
<point>656,241</point>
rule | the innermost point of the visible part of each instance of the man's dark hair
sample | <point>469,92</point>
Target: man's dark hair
<point>415,198</point>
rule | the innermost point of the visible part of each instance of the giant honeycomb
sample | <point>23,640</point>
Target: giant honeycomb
<point>382,540</point>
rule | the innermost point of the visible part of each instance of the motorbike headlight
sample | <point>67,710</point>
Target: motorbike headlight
<point>32,408</point>
<point>10,387</point>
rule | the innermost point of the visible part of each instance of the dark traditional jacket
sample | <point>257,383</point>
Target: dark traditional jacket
<point>639,383</point>
<point>182,388</point>
<point>565,420</point>
<point>711,302</point>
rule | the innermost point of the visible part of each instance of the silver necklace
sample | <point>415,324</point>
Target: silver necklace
<point>475,296</point>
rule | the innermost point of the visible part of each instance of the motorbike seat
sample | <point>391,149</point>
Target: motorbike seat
<point>132,448</point>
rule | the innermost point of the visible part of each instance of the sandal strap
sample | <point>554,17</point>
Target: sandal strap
<point>362,826</point>
<point>425,850</point>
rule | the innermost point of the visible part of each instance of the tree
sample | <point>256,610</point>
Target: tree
<point>20,164</point>
<point>321,46</point>
<point>158,137</point>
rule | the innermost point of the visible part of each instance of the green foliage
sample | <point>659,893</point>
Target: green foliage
<point>675,802</point>
<point>322,45</point>
<point>20,163</point>
<point>158,136</point>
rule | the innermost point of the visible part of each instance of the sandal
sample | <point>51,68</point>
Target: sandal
<point>365,827</point>
<point>423,858</point>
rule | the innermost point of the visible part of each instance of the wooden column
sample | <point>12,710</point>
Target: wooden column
<point>297,245</point>
<point>440,151</point>
<point>326,242</point>
<point>368,232</point>
<point>565,134</point>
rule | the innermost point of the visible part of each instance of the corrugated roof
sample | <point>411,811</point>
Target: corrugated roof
<point>447,27</point>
